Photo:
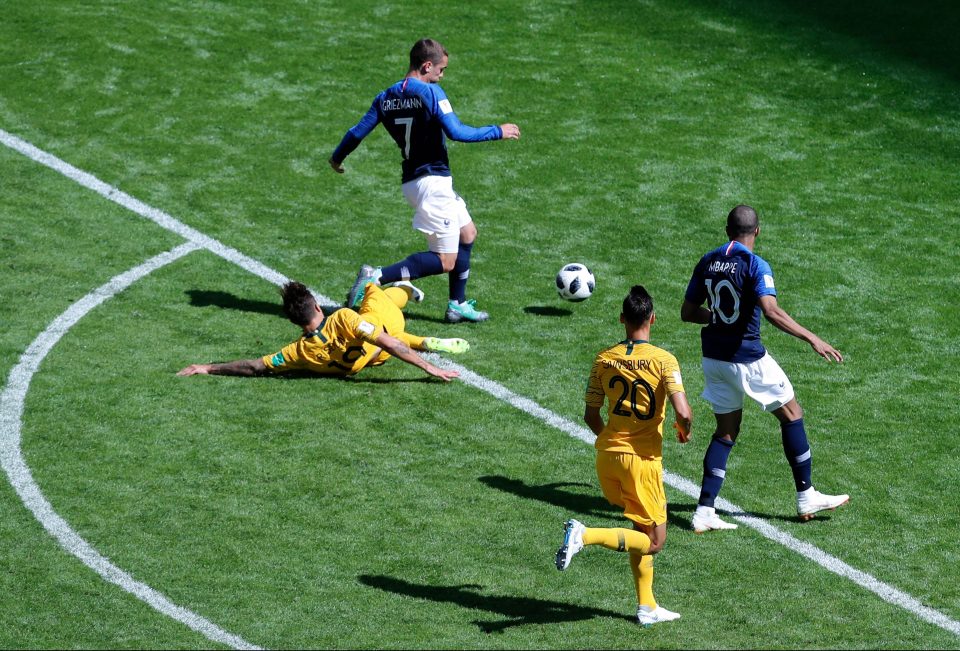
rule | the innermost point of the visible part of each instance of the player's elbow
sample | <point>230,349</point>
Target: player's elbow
<point>688,312</point>
<point>775,315</point>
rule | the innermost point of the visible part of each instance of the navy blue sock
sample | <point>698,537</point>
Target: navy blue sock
<point>461,272</point>
<point>714,470</point>
<point>415,265</point>
<point>797,449</point>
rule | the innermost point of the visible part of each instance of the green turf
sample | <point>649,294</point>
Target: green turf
<point>391,511</point>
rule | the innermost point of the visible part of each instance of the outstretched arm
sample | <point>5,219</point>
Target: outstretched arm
<point>244,367</point>
<point>457,130</point>
<point>783,321</point>
<point>353,137</point>
<point>402,351</point>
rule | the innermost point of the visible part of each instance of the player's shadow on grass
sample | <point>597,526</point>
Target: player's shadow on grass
<point>518,610</point>
<point>227,301</point>
<point>822,516</point>
<point>419,316</point>
<point>365,379</point>
<point>547,310</point>
<point>391,380</point>
<point>589,503</point>
<point>539,310</point>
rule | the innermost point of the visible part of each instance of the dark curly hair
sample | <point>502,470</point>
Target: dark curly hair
<point>298,303</point>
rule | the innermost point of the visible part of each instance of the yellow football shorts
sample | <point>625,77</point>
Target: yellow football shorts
<point>635,484</point>
<point>383,307</point>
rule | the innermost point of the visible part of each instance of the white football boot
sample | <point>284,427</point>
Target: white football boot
<point>572,543</point>
<point>414,294</point>
<point>705,519</point>
<point>812,501</point>
<point>647,616</point>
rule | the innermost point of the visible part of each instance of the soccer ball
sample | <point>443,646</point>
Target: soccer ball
<point>575,282</point>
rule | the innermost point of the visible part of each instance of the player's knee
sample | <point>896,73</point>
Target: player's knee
<point>796,411</point>
<point>448,261</point>
<point>789,412</point>
<point>468,233</point>
<point>657,536</point>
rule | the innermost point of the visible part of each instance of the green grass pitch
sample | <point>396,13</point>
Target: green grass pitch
<point>391,511</point>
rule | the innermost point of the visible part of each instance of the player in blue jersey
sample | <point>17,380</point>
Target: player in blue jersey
<point>418,116</point>
<point>737,286</point>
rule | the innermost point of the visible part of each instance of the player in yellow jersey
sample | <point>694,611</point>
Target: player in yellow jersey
<point>345,342</point>
<point>636,379</point>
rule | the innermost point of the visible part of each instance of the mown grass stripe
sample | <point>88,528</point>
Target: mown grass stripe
<point>11,457</point>
<point>135,205</point>
<point>883,590</point>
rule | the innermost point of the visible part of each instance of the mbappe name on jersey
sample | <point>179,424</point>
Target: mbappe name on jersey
<point>722,267</point>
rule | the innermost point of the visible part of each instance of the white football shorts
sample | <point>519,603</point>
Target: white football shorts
<point>726,383</point>
<point>438,211</point>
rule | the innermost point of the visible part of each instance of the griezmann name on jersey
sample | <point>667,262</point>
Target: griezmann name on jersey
<point>419,118</point>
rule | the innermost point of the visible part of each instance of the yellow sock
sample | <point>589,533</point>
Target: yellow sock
<point>642,566</point>
<point>414,341</point>
<point>619,540</point>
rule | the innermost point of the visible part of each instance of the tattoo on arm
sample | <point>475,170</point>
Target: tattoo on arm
<point>243,367</point>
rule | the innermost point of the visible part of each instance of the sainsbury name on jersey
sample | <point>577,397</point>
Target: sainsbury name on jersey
<point>628,364</point>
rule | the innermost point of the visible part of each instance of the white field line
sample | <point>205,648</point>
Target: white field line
<point>883,590</point>
<point>11,456</point>
<point>135,205</point>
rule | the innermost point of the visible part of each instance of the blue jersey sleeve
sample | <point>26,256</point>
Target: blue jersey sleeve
<point>457,130</point>
<point>696,292</point>
<point>355,135</point>
<point>763,278</point>
<point>454,128</point>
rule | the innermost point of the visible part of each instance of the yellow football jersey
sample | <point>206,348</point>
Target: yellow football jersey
<point>341,346</point>
<point>636,379</point>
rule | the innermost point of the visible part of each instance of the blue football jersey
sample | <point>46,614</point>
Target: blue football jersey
<point>731,279</point>
<point>419,118</point>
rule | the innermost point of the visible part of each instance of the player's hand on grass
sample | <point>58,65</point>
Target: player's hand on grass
<point>195,369</point>
<point>510,131</point>
<point>444,375</point>
<point>682,436</point>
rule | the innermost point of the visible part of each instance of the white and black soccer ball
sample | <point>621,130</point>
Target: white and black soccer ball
<point>575,282</point>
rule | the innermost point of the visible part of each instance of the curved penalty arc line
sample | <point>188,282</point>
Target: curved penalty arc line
<point>13,463</point>
<point>885,591</point>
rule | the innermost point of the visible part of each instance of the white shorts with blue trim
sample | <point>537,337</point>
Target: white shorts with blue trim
<point>438,211</point>
<point>726,383</point>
